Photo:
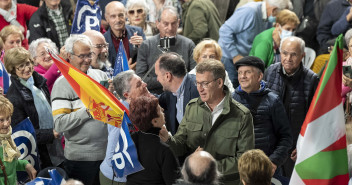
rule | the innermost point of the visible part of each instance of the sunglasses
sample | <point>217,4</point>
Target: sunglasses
<point>139,11</point>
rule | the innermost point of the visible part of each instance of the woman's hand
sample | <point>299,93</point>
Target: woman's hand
<point>32,173</point>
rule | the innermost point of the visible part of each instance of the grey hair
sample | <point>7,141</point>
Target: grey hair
<point>348,37</point>
<point>171,9</point>
<point>132,3</point>
<point>280,4</point>
<point>76,38</point>
<point>122,81</point>
<point>33,46</point>
<point>294,39</point>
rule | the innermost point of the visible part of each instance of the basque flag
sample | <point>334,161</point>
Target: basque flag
<point>87,17</point>
<point>24,136</point>
<point>121,63</point>
<point>125,158</point>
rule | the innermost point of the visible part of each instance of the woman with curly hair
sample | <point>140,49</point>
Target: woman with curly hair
<point>160,164</point>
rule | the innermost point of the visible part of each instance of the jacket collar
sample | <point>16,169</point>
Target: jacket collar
<point>227,101</point>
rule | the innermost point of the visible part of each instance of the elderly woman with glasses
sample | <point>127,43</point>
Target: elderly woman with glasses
<point>137,11</point>
<point>30,97</point>
<point>44,64</point>
<point>209,49</point>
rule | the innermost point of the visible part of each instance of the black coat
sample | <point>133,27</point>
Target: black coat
<point>168,102</point>
<point>296,92</point>
<point>40,26</point>
<point>271,125</point>
<point>160,164</point>
<point>22,99</point>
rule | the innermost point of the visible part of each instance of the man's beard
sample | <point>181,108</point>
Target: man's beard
<point>103,62</point>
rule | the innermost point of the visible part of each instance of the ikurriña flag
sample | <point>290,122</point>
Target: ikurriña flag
<point>101,103</point>
<point>87,17</point>
<point>321,145</point>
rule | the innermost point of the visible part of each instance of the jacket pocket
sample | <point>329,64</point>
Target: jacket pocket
<point>225,143</point>
<point>195,135</point>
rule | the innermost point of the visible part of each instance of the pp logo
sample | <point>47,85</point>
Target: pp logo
<point>27,146</point>
<point>121,155</point>
<point>90,17</point>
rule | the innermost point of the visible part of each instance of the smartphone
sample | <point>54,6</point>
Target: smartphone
<point>105,83</point>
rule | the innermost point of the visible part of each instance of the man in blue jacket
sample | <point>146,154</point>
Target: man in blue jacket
<point>271,125</point>
<point>179,88</point>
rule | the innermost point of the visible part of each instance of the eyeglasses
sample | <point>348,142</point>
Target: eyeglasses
<point>139,11</point>
<point>42,54</point>
<point>23,66</point>
<point>100,46</point>
<point>88,56</point>
<point>204,84</point>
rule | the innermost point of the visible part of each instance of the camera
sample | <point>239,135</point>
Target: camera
<point>166,42</point>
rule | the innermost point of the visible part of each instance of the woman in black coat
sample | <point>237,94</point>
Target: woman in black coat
<point>160,164</point>
<point>19,64</point>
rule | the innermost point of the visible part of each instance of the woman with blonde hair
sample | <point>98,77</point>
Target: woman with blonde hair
<point>209,49</point>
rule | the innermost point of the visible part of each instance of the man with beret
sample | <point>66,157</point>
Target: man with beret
<point>271,125</point>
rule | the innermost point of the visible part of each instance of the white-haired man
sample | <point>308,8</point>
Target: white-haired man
<point>85,137</point>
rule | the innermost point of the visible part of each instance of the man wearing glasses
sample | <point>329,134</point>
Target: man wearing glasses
<point>214,122</point>
<point>85,137</point>
<point>100,49</point>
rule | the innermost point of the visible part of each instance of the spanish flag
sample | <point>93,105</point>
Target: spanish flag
<point>102,104</point>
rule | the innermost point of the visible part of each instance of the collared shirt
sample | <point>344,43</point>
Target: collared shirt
<point>179,104</point>
<point>265,17</point>
<point>57,17</point>
<point>217,110</point>
<point>116,41</point>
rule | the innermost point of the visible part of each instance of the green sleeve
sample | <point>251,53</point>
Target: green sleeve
<point>263,50</point>
<point>228,165</point>
<point>21,165</point>
<point>199,24</point>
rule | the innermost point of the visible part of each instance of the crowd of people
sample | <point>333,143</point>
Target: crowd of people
<point>217,93</point>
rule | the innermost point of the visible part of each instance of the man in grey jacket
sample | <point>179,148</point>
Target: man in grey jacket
<point>151,48</point>
<point>85,137</point>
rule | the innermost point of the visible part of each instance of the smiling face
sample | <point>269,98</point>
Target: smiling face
<point>136,15</point>
<point>138,88</point>
<point>80,57</point>
<point>115,16</point>
<point>5,122</point>
<point>291,55</point>
<point>43,58</point>
<point>24,70</point>
<point>249,78</point>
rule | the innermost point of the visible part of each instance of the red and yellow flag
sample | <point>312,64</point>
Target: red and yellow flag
<point>101,103</point>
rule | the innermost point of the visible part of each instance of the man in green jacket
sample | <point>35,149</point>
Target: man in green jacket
<point>201,20</point>
<point>214,122</point>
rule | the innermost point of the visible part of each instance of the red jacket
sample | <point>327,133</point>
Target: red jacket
<point>24,13</point>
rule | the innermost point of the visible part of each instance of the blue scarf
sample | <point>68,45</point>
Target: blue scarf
<point>46,120</point>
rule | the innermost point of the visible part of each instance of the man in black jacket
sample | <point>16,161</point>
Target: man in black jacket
<point>295,85</point>
<point>271,125</point>
<point>52,20</point>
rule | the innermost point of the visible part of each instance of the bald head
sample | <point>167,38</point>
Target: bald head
<point>200,168</point>
<point>115,16</point>
<point>100,49</point>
